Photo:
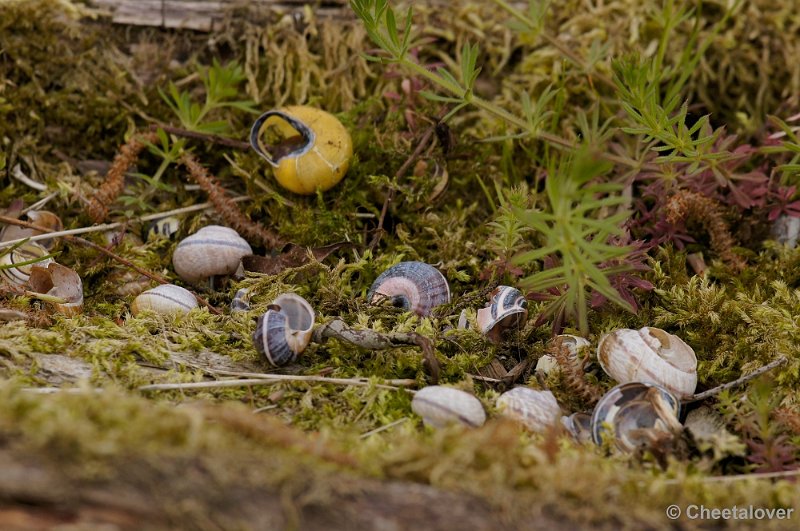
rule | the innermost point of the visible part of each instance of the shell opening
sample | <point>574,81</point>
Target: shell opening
<point>276,135</point>
<point>299,315</point>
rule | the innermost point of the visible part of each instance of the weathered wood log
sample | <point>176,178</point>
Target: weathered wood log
<point>201,15</point>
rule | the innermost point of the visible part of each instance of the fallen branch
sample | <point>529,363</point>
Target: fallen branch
<point>372,340</point>
<point>736,383</point>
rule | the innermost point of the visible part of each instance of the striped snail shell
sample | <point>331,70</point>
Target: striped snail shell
<point>413,286</point>
<point>162,228</point>
<point>649,355</point>
<point>211,251</point>
<point>166,299</point>
<point>507,309</point>
<point>308,148</point>
<point>16,264</point>
<point>284,331</point>
<point>439,406</point>
<point>633,414</point>
<point>241,301</point>
<point>536,410</point>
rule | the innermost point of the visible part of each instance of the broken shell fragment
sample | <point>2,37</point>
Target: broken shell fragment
<point>166,299</point>
<point>42,218</point>
<point>537,410</point>
<point>213,250</point>
<point>579,425</point>
<point>284,331</point>
<point>634,415</point>
<point>413,286</point>
<point>16,264</point>
<point>308,148</point>
<point>60,282</point>
<point>440,406</point>
<point>649,355</point>
<point>507,309</point>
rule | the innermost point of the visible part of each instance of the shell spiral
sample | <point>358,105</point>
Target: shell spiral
<point>507,309</point>
<point>649,355</point>
<point>213,250</point>
<point>413,286</point>
<point>284,331</point>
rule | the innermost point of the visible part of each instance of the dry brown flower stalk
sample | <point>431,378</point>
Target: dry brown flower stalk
<point>572,367</point>
<point>227,208</point>
<point>694,207</point>
<point>115,178</point>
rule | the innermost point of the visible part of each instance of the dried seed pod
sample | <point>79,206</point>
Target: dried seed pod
<point>59,281</point>
<point>537,410</point>
<point>439,406</point>
<point>308,148</point>
<point>284,331</point>
<point>211,251</point>
<point>635,415</point>
<point>413,286</point>
<point>166,299</point>
<point>16,264</point>
<point>579,425</point>
<point>507,309</point>
<point>649,355</point>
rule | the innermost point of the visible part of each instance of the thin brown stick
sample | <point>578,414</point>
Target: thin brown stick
<point>227,208</point>
<point>214,139</point>
<point>110,254</point>
<point>423,143</point>
<point>736,383</point>
<point>270,379</point>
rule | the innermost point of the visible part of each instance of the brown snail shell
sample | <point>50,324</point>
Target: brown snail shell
<point>649,355</point>
<point>284,331</point>
<point>413,286</point>
<point>42,218</point>
<point>507,309</point>
<point>536,410</point>
<point>440,406</point>
<point>211,251</point>
<point>59,281</point>
<point>166,299</point>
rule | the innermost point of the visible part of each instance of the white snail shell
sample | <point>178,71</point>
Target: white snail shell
<point>649,355</point>
<point>507,309</point>
<point>440,406</point>
<point>536,410</point>
<point>284,331</point>
<point>19,274</point>
<point>211,251</point>
<point>629,413</point>
<point>414,286</point>
<point>166,299</point>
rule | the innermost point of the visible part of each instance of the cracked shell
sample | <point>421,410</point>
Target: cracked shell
<point>284,331</point>
<point>649,355</point>
<point>507,309</point>
<point>440,406</point>
<point>413,286</point>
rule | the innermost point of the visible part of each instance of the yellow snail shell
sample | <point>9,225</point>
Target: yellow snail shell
<point>649,355</point>
<point>313,151</point>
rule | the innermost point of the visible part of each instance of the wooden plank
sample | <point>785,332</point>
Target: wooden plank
<point>199,15</point>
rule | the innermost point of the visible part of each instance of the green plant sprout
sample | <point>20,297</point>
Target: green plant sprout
<point>578,240</point>
<point>220,87</point>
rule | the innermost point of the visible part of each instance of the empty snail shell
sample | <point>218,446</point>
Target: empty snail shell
<point>536,410</point>
<point>284,331</point>
<point>649,355</point>
<point>579,425</point>
<point>211,251</point>
<point>413,286</point>
<point>42,218</point>
<point>572,344</point>
<point>507,309</point>
<point>162,228</point>
<point>56,280</point>
<point>310,149</point>
<point>440,406</point>
<point>634,415</point>
<point>167,299</point>
<point>241,301</point>
<point>15,264</point>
